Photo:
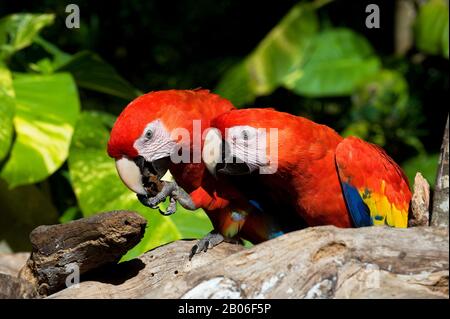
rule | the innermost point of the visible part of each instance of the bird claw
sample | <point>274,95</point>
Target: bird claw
<point>151,202</point>
<point>174,192</point>
<point>171,209</point>
<point>209,241</point>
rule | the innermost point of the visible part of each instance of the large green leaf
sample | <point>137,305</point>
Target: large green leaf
<point>47,109</point>
<point>338,60</point>
<point>6,111</point>
<point>17,31</point>
<point>98,187</point>
<point>88,69</point>
<point>277,54</point>
<point>432,28</point>
<point>382,98</point>
<point>91,72</point>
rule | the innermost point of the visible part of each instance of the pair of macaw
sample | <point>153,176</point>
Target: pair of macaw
<point>259,173</point>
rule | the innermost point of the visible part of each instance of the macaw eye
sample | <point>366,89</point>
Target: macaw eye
<point>148,134</point>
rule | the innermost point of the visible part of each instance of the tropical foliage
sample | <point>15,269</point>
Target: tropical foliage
<point>56,108</point>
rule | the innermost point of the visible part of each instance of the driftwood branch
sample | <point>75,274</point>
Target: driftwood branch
<point>319,262</point>
<point>81,245</point>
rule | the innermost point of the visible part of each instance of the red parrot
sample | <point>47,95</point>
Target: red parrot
<point>153,133</point>
<point>327,179</point>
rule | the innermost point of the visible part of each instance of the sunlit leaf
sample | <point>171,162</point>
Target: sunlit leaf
<point>91,72</point>
<point>338,60</point>
<point>7,107</point>
<point>276,55</point>
<point>17,31</point>
<point>98,187</point>
<point>47,108</point>
<point>432,27</point>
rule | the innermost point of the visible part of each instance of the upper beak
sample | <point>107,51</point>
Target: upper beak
<point>212,150</point>
<point>130,174</point>
<point>218,158</point>
<point>132,171</point>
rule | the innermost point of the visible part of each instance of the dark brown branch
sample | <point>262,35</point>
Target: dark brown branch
<point>87,243</point>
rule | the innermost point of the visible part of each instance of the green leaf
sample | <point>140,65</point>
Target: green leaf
<point>7,107</point>
<point>91,72</point>
<point>59,57</point>
<point>70,214</point>
<point>338,60</point>
<point>431,28</point>
<point>98,187</point>
<point>88,69</point>
<point>382,98</point>
<point>18,31</point>
<point>426,164</point>
<point>23,209</point>
<point>445,41</point>
<point>277,54</point>
<point>47,109</point>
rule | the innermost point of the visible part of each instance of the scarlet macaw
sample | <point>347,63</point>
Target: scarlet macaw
<point>329,180</point>
<point>142,140</point>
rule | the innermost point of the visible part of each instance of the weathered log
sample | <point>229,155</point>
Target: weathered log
<point>15,288</point>
<point>420,202</point>
<point>11,263</point>
<point>439,214</point>
<point>318,262</point>
<point>81,245</point>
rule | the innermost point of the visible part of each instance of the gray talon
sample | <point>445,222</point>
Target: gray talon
<point>175,193</point>
<point>209,241</point>
<point>171,209</point>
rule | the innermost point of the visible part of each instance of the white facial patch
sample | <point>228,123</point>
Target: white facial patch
<point>212,148</point>
<point>155,142</point>
<point>248,144</point>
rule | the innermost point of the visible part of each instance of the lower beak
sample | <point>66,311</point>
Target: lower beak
<point>130,174</point>
<point>217,156</point>
<point>233,166</point>
<point>230,164</point>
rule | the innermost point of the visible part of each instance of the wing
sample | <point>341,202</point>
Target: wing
<point>375,188</point>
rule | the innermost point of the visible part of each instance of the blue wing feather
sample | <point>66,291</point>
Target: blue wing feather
<point>359,211</point>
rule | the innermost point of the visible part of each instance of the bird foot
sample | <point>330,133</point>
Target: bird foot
<point>209,241</point>
<point>174,192</point>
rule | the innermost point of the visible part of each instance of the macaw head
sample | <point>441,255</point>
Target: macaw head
<point>241,142</point>
<point>143,134</point>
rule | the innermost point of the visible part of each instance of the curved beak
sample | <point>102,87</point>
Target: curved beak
<point>212,150</point>
<point>219,158</point>
<point>130,174</point>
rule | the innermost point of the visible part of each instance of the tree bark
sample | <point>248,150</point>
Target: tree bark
<point>318,262</point>
<point>440,215</point>
<point>420,202</point>
<point>15,288</point>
